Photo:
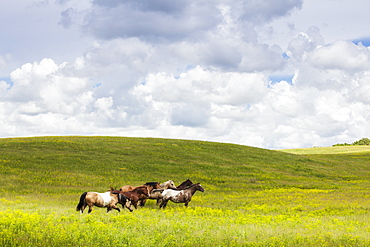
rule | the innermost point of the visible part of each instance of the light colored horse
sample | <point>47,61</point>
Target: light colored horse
<point>180,196</point>
<point>168,185</point>
<point>107,199</point>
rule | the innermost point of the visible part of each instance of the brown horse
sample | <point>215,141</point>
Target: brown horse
<point>134,195</point>
<point>142,198</point>
<point>184,184</point>
<point>107,199</point>
<point>180,196</point>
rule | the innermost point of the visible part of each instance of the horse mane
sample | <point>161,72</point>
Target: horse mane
<point>139,187</point>
<point>157,190</point>
<point>185,182</point>
<point>191,186</point>
<point>151,184</point>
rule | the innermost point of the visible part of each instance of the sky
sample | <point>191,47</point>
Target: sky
<point>253,72</point>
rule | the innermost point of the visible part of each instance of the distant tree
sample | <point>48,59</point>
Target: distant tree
<point>363,141</point>
<point>342,144</point>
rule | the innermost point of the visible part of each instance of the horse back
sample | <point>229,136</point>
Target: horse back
<point>127,188</point>
<point>98,199</point>
<point>171,193</point>
<point>132,196</point>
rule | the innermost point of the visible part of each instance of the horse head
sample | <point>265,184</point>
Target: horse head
<point>142,190</point>
<point>168,185</point>
<point>199,187</point>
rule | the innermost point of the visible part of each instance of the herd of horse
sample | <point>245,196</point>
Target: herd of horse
<point>129,196</point>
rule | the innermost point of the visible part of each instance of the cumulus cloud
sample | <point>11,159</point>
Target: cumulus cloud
<point>166,20</point>
<point>172,20</point>
<point>262,11</point>
<point>193,70</point>
<point>342,55</point>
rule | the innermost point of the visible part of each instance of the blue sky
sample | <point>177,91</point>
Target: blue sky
<point>250,72</point>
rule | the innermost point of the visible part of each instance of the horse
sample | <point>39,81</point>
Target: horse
<point>134,195</point>
<point>107,199</point>
<point>184,184</point>
<point>142,198</point>
<point>150,186</point>
<point>180,196</point>
<point>156,194</point>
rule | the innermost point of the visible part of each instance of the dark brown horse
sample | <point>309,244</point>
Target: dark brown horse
<point>150,186</point>
<point>180,196</point>
<point>107,199</point>
<point>184,184</point>
<point>134,195</point>
<point>142,198</point>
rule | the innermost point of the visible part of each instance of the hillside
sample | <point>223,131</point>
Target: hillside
<point>253,196</point>
<point>51,164</point>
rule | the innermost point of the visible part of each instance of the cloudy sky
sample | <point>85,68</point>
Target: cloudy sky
<point>286,74</point>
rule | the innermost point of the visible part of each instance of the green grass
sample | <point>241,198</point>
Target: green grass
<point>253,197</point>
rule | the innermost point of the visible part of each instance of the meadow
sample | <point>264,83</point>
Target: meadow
<point>253,196</point>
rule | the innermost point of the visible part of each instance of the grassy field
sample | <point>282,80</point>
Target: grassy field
<point>253,197</point>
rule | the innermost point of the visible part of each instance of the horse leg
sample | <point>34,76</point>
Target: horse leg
<point>163,204</point>
<point>159,201</point>
<point>116,208</point>
<point>90,209</point>
<point>142,202</point>
<point>186,204</point>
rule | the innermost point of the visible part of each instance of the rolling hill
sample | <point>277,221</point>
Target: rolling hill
<point>252,195</point>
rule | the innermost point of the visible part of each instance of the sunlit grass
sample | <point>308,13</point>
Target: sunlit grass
<point>329,150</point>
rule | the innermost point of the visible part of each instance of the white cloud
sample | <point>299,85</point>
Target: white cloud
<point>284,100</point>
<point>201,85</point>
<point>4,87</point>
<point>342,55</point>
<point>165,19</point>
<point>193,70</point>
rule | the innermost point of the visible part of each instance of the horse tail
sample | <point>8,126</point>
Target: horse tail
<point>82,201</point>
